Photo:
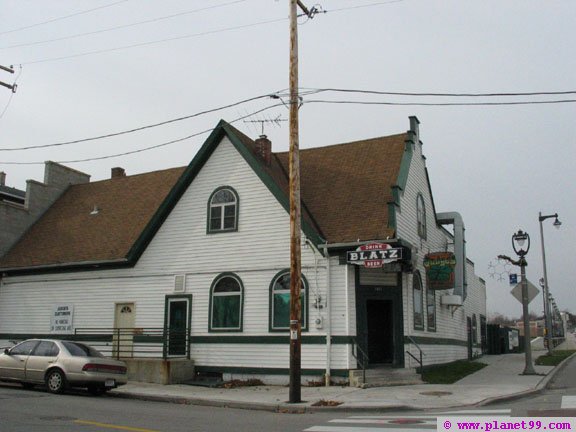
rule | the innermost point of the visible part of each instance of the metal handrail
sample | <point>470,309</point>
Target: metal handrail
<point>130,342</point>
<point>363,362</point>
<point>419,361</point>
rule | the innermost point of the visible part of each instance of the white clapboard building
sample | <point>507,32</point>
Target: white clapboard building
<point>193,263</point>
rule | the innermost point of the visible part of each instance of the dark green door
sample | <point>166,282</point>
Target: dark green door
<point>177,325</point>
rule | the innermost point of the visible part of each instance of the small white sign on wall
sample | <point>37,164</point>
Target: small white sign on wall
<point>62,319</point>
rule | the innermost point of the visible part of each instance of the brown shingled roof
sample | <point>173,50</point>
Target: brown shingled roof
<point>68,233</point>
<point>345,190</point>
<point>347,187</point>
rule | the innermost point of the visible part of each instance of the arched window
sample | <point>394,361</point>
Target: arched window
<point>223,210</point>
<point>421,216</point>
<point>280,302</point>
<point>418,301</point>
<point>226,303</point>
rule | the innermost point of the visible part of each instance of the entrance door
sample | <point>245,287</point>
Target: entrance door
<point>380,331</point>
<point>124,321</point>
<point>177,325</point>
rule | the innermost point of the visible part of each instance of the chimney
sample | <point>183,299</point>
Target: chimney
<point>264,149</point>
<point>2,178</point>
<point>118,172</point>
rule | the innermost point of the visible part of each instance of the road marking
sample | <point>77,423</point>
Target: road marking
<point>568,402</point>
<point>111,426</point>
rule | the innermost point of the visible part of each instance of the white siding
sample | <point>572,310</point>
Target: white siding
<point>450,324</point>
<point>256,253</point>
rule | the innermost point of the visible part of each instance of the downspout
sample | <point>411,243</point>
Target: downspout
<point>328,320</point>
<point>454,218</point>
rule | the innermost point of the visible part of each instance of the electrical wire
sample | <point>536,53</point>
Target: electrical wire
<point>74,36</point>
<point>376,92</point>
<point>362,6</point>
<point>158,41</point>
<point>145,148</point>
<point>128,131</point>
<point>441,104</point>
<point>63,17</point>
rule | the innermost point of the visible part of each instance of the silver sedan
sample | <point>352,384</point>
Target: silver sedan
<point>61,364</point>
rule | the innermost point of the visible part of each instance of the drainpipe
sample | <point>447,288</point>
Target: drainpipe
<point>454,218</point>
<point>328,320</point>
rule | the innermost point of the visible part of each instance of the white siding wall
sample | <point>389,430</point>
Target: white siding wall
<point>450,324</point>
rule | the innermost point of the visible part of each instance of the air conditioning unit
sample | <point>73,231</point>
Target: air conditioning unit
<point>451,300</point>
<point>180,283</point>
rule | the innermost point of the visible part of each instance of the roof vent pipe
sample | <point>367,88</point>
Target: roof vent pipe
<point>454,218</point>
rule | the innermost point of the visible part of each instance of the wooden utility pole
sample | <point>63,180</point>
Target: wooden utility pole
<point>295,213</point>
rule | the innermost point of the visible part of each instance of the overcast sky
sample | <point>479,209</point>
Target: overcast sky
<point>146,62</point>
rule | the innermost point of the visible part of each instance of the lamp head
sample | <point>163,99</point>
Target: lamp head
<point>521,243</point>
<point>557,223</point>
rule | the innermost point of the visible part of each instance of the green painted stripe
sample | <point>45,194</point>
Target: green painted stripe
<point>424,340</point>
<point>216,339</point>
<point>72,337</point>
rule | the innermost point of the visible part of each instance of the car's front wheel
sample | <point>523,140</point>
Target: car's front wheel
<point>56,381</point>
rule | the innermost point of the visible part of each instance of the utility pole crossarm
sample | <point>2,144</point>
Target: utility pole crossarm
<point>7,69</point>
<point>3,84</point>
<point>304,8</point>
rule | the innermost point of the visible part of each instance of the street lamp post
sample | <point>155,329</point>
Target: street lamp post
<point>547,312</point>
<point>521,245</point>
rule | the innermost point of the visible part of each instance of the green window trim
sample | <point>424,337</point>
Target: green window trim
<point>421,216</point>
<point>431,309</point>
<point>224,214</point>
<point>285,293</point>
<point>417,301</point>
<point>226,300</point>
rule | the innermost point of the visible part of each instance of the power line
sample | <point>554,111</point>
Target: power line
<point>74,36</point>
<point>63,17</point>
<point>440,104</point>
<point>362,6</point>
<point>158,41</point>
<point>385,93</point>
<point>146,148</point>
<point>128,131</point>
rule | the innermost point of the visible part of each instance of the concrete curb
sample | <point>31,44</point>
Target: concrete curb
<point>540,387</point>
<point>284,407</point>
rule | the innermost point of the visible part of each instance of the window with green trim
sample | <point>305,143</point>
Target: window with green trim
<point>421,216</point>
<point>280,302</point>
<point>431,309</point>
<point>223,210</point>
<point>418,301</point>
<point>226,303</point>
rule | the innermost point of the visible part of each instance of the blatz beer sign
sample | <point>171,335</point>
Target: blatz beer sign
<point>374,255</point>
<point>440,270</point>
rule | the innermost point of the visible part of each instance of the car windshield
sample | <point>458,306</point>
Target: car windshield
<point>80,350</point>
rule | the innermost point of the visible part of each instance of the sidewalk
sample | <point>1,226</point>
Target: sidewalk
<point>499,380</point>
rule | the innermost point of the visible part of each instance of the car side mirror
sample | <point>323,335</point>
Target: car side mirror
<point>7,351</point>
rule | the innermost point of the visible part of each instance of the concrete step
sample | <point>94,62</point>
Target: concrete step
<point>383,377</point>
